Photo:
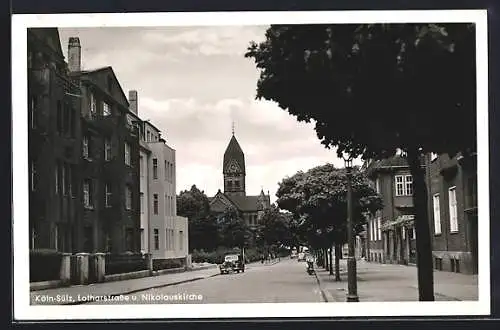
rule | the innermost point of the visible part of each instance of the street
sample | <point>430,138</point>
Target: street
<point>285,281</point>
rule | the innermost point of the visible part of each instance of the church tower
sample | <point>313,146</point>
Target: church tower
<point>234,169</point>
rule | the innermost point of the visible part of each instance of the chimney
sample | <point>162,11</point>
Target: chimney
<point>74,54</point>
<point>132,99</point>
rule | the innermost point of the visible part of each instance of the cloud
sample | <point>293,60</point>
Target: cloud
<point>192,83</point>
<point>208,41</point>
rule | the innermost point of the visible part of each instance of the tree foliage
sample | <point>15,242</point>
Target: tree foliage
<point>319,198</point>
<point>203,231</point>
<point>274,228</point>
<point>233,230</point>
<point>374,88</point>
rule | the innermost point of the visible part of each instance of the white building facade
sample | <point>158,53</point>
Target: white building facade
<point>163,233</point>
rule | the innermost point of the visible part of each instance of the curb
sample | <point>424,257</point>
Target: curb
<point>148,288</point>
<point>327,296</point>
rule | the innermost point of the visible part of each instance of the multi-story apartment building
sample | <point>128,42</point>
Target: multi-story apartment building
<point>54,145</point>
<point>391,232</point>
<point>109,161</point>
<point>452,196</point>
<point>452,209</point>
<point>163,233</point>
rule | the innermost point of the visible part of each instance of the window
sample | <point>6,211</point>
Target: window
<point>379,228</point>
<point>167,203</point>
<point>157,239</point>
<point>452,201</point>
<point>127,154</point>
<point>155,168</point>
<point>414,233</point>
<point>33,176</point>
<point>166,171</point>
<point>404,185</point>
<point>155,204</point>
<point>85,147</point>
<point>59,117</point>
<point>172,172</point>
<point>433,156</point>
<point>128,198</point>
<point>107,201</point>
<point>142,201</point>
<point>93,105</point>
<point>148,137</point>
<point>403,233</point>
<point>143,241</point>
<point>63,178</point>
<point>141,165</point>
<point>437,214</point>
<point>237,184</point>
<point>66,118</point>
<point>33,108</point>
<point>107,149</point>
<point>55,236</point>
<point>181,240</point>
<point>56,178</point>
<point>87,193</point>
<point>377,186</point>
<point>106,109</point>
<point>371,225</point>
<point>74,181</point>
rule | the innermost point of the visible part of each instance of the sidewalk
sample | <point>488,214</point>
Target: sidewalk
<point>124,287</point>
<point>389,282</point>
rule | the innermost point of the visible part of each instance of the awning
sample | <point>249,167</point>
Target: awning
<point>402,220</point>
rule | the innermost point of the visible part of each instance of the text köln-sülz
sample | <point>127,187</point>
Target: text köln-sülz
<point>171,297</point>
<point>68,299</point>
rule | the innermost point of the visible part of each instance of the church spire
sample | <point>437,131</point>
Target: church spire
<point>232,128</point>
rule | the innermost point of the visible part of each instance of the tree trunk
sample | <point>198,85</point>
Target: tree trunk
<point>338,254</point>
<point>422,229</point>
<point>325,254</point>
<point>331,260</point>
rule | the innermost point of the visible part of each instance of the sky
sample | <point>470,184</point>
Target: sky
<point>193,83</point>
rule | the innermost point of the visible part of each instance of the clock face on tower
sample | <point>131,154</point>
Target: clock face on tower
<point>233,167</point>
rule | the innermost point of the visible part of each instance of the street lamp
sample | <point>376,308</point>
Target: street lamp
<point>352,294</point>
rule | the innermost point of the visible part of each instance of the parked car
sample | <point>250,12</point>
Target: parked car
<point>232,263</point>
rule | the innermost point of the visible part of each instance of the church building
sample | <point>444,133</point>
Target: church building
<point>234,194</point>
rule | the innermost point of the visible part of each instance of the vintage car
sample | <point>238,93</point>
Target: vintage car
<point>232,263</point>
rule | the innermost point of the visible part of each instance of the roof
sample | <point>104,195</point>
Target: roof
<point>397,161</point>
<point>234,152</point>
<point>242,203</point>
<point>109,68</point>
<point>50,36</point>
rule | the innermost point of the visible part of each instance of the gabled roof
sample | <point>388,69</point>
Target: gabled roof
<point>97,71</point>
<point>242,203</point>
<point>233,152</point>
<point>50,36</point>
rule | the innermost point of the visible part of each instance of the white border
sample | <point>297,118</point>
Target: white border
<point>24,311</point>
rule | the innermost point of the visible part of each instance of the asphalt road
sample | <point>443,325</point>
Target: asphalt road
<point>286,281</point>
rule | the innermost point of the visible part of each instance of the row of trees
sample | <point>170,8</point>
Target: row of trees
<point>209,231</point>
<point>374,88</point>
<point>317,199</point>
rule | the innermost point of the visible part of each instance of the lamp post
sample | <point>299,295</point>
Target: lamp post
<point>352,294</point>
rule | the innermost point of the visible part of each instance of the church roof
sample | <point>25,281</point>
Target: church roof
<point>234,152</point>
<point>243,203</point>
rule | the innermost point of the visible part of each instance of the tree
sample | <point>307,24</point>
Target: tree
<point>194,205</point>
<point>320,197</point>
<point>234,232</point>
<point>374,88</point>
<point>274,229</point>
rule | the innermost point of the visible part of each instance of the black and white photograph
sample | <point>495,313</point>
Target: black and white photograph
<point>277,164</point>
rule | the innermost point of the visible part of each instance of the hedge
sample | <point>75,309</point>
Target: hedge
<point>217,257</point>
<point>159,264</point>
<point>45,265</point>
<point>125,263</point>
